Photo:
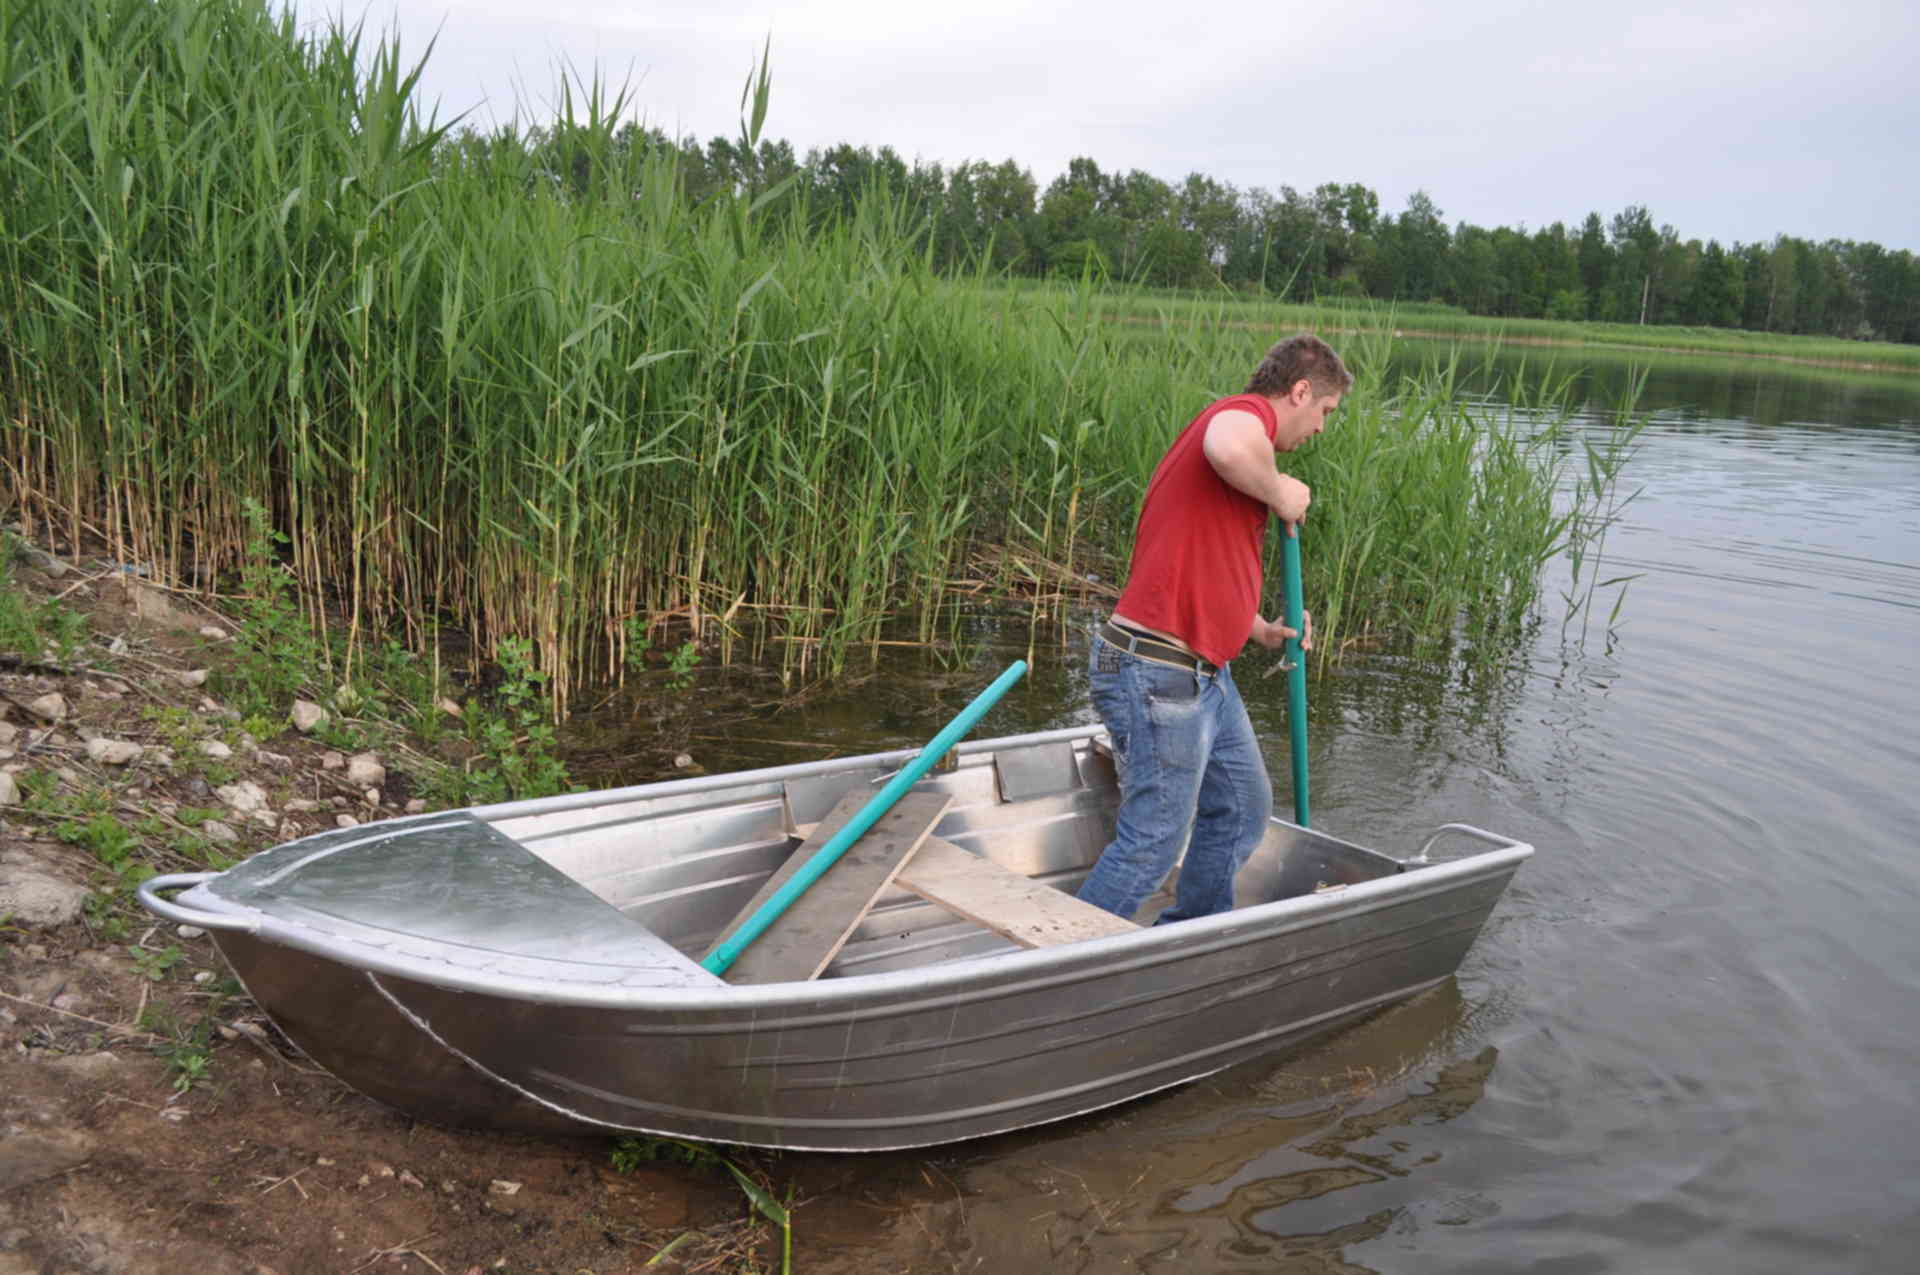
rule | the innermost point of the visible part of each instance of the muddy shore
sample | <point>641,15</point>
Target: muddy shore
<point>154,1120</point>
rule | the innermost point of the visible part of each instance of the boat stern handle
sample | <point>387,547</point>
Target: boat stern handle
<point>149,892</point>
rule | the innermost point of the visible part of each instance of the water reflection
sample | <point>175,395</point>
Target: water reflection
<point>1756,392</point>
<point>1373,1146</point>
<point>1266,1166</point>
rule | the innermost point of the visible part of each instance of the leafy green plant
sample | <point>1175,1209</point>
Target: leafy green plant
<point>46,796</point>
<point>154,965</point>
<point>276,651</point>
<point>680,665</point>
<point>178,727</point>
<point>197,849</point>
<point>106,915</point>
<point>638,642</point>
<point>183,732</point>
<point>105,837</point>
<point>187,1047</point>
<point>19,631</point>
<point>66,633</point>
<point>406,688</point>
<point>186,1050</point>
<point>37,630</point>
<point>85,818</point>
<point>630,1153</point>
<point>188,1062</point>
<point>516,750</point>
<point>344,734</point>
<point>681,661</point>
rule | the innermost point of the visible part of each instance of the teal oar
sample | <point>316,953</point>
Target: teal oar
<point>1296,665</point>
<point>814,868</point>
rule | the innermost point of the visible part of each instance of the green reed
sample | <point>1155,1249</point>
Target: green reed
<point>523,384</point>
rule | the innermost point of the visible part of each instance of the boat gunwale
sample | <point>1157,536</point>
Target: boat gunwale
<point>1120,954</point>
<point>683,986</point>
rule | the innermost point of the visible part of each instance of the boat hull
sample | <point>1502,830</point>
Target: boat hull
<point>920,1054</point>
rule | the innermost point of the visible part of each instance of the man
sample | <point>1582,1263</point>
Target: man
<point>1160,666</point>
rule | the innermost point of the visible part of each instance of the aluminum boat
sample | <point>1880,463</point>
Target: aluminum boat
<point>537,964</point>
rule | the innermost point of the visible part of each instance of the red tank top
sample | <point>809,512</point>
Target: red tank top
<point>1197,553</point>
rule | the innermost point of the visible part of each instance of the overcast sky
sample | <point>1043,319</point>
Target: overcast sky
<point>1729,120</point>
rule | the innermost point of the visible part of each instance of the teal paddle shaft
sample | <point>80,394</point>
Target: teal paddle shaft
<point>1296,665</point>
<point>718,960</point>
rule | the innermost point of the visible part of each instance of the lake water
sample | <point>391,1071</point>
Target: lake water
<point>1688,1039</point>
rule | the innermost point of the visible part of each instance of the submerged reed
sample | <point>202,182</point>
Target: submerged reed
<point>523,384</point>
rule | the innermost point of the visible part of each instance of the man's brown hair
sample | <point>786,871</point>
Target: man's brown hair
<point>1302,357</point>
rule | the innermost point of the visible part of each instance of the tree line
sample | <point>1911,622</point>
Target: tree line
<point>1332,241</point>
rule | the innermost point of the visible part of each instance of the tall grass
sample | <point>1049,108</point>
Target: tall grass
<point>521,384</point>
<point>1431,520</point>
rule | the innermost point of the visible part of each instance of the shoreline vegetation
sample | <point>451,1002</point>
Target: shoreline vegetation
<point>1433,321</point>
<point>1656,341</point>
<point>528,393</point>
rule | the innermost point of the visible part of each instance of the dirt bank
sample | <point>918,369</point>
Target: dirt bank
<point>153,1121</point>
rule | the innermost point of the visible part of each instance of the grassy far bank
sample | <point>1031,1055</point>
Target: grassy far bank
<point>1120,303</point>
<point>524,390</point>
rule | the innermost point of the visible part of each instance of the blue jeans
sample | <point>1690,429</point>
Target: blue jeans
<point>1188,763</point>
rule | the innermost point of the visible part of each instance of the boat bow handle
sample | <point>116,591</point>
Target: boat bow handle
<point>149,892</point>
<point>1465,830</point>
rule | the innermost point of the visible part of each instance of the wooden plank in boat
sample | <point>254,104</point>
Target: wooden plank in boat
<point>1009,904</point>
<point>804,938</point>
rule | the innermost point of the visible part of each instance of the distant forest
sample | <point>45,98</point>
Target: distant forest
<point>1333,241</point>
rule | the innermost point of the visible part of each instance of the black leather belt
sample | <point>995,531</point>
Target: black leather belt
<point>1148,647</point>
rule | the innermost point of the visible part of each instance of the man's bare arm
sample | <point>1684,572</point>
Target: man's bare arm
<point>1237,447</point>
